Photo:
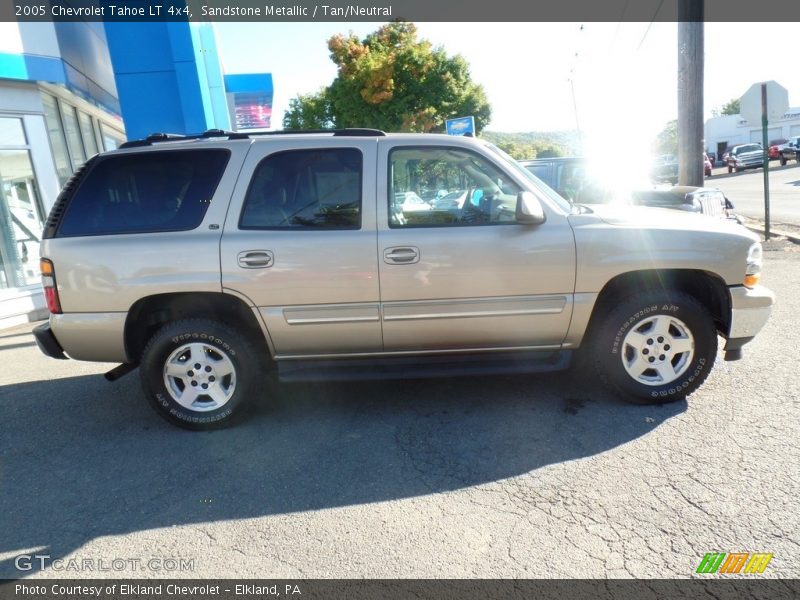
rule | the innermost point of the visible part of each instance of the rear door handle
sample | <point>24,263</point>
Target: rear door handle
<point>401,255</point>
<point>255,259</point>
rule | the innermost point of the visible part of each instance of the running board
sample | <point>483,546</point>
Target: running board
<point>419,367</point>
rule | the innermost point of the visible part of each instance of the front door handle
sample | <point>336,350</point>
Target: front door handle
<point>401,255</point>
<point>255,259</point>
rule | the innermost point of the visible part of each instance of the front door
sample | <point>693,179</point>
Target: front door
<point>300,244</point>
<point>456,270</point>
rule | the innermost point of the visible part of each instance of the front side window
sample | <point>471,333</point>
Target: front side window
<point>145,192</point>
<point>305,189</point>
<point>439,186</point>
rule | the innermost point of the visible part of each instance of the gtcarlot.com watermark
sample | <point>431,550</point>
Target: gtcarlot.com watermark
<point>34,562</point>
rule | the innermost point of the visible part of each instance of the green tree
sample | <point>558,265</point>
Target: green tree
<point>667,141</point>
<point>549,151</point>
<point>517,150</point>
<point>392,81</point>
<point>731,107</point>
<point>311,111</point>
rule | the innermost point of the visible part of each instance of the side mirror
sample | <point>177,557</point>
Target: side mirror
<point>529,210</point>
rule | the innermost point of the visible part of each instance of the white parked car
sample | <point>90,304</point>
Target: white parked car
<point>410,202</point>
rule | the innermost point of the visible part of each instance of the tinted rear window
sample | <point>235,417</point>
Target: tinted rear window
<point>146,192</point>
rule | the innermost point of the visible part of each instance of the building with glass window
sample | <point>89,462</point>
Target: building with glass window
<point>65,91</point>
<point>58,106</point>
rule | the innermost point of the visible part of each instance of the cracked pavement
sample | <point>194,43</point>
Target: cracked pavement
<point>491,477</point>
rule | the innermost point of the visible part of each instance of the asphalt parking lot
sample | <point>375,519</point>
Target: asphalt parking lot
<point>534,476</point>
<point>746,191</point>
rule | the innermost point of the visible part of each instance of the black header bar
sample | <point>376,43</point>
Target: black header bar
<point>343,11</point>
<point>398,589</point>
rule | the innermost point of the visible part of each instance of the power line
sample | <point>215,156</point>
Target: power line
<point>655,14</point>
<point>619,24</point>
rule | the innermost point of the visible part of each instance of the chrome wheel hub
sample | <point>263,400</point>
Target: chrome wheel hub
<point>200,377</point>
<point>657,350</point>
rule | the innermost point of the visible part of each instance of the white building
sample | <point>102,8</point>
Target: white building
<point>726,131</point>
<point>58,106</point>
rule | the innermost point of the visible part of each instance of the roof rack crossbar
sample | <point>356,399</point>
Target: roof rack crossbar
<point>348,131</point>
<point>156,138</point>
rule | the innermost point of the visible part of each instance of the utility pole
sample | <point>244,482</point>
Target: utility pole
<point>690,92</point>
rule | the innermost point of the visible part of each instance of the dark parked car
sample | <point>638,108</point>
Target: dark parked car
<point>790,150</point>
<point>774,150</point>
<point>566,175</point>
<point>708,201</point>
<point>665,169</point>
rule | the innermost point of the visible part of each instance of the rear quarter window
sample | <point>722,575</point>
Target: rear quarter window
<point>305,189</point>
<point>145,192</point>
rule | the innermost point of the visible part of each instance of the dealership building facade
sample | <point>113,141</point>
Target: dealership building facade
<point>71,90</point>
<point>726,131</point>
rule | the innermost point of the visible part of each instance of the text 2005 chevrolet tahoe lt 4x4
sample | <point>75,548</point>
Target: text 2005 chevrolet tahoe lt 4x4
<point>209,261</point>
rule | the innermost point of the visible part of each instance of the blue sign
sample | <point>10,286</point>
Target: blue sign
<point>461,126</point>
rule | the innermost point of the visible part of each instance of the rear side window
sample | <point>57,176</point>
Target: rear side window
<point>146,192</point>
<point>305,189</point>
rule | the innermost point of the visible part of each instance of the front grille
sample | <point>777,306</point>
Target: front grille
<point>711,206</point>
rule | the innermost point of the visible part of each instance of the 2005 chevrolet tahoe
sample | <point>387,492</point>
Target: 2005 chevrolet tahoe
<point>211,261</point>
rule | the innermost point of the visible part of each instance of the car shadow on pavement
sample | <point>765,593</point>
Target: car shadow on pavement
<point>83,458</point>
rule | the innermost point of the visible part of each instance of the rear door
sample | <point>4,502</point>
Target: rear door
<point>300,244</point>
<point>466,275</point>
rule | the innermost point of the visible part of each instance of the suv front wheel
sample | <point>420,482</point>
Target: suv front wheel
<point>198,374</point>
<point>655,348</point>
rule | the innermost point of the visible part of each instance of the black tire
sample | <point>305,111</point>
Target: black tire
<point>687,320</point>
<point>783,160</point>
<point>216,343</point>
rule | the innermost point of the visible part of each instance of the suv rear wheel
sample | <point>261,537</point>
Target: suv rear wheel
<point>655,348</point>
<point>198,374</point>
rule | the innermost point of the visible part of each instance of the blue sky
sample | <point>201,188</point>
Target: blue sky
<point>624,74</point>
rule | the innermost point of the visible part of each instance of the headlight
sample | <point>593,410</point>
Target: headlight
<point>755,256</point>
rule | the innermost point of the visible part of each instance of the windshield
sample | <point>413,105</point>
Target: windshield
<point>537,183</point>
<point>749,148</point>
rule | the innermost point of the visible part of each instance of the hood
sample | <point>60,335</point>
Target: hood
<point>645,217</point>
<point>613,240</point>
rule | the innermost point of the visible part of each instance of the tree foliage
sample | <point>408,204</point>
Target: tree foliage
<point>534,144</point>
<point>312,111</point>
<point>392,81</point>
<point>731,107</point>
<point>667,140</point>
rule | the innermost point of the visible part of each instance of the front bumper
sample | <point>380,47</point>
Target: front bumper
<point>750,309</point>
<point>47,342</point>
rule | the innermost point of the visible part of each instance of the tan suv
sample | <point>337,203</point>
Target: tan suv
<point>203,259</point>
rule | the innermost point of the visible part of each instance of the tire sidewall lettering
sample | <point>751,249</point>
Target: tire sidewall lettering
<point>204,337</point>
<point>162,345</point>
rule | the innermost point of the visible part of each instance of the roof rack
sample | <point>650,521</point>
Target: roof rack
<point>156,138</point>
